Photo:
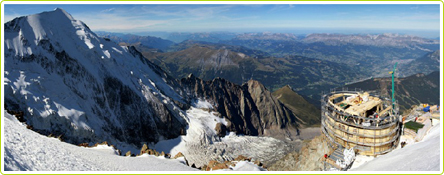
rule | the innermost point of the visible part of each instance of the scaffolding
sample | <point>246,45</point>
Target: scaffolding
<point>360,120</point>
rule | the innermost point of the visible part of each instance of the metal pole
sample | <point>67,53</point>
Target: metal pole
<point>393,87</point>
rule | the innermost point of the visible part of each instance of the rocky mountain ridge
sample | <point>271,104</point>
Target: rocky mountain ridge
<point>409,91</point>
<point>426,65</point>
<point>249,109</point>
<point>307,112</point>
<point>149,41</point>
<point>380,40</point>
<point>68,81</point>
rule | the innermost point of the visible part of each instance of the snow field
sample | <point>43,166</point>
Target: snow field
<point>25,150</point>
<point>420,156</point>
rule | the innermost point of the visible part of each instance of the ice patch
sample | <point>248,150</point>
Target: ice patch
<point>82,36</point>
<point>21,84</point>
<point>107,53</point>
<point>117,50</point>
<point>199,103</point>
<point>65,112</point>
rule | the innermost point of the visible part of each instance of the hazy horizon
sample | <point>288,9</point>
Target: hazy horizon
<point>412,19</point>
<point>298,32</point>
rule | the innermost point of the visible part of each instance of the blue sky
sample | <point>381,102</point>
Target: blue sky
<point>424,19</point>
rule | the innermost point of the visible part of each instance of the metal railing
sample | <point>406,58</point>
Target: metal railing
<point>362,135</point>
<point>383,121</point>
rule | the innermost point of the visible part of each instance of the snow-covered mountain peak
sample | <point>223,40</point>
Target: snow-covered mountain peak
<point>68,80</point>
<point>62,12</point>
<point>58,25</point>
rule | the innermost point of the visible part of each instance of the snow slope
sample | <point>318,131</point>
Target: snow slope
<point>422,156</point>
<point>25,150</point>
<point>69,81</point>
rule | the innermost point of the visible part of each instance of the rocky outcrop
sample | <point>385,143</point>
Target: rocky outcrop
<point>308,158</point>
<point>215,165</point>
<point>304,110</point>
<point>221,130</point>
<point>178,155</point>
<point>250,108</point>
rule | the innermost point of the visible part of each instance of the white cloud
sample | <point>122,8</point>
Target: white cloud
<point>108,10</point>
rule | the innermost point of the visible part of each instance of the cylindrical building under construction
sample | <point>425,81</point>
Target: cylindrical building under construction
<point>361,121</point>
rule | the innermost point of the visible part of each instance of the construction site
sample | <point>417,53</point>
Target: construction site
<point>362,123</point>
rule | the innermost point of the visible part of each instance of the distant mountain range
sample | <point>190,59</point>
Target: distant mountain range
<point>373,54</point>
<point>310,64</point>
<point>239,64</point>
<point>411,90</point>
<point>426,64</point>
<point>148,41</point>
<point>213,37</point>
<point>379,40</point>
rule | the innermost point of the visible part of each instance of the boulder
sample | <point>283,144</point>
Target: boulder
<point>212,163</point>
<point>204,168</point>
<point>144,149</point>
<point>178,155</point>
<point>84,144</point>
<point>221,130</point>
<point>242,158</point>
<point>167,155</point>
<point>128,153</point>
<point>215,165</point>
<point>219,166</point>
<point>29,127</point>
<point>229,163</point>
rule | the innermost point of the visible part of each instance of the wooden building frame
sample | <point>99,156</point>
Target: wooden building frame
<point>360,120</point>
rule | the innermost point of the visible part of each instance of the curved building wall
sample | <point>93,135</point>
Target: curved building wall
<point>368,135</point>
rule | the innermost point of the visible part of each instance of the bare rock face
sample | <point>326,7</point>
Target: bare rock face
<point>309,158</point>
<point>144,149</point>
<point>178,155</point>
<point>273,111</point>
<point>221,130</point>
<point>250,108</point>
<point>128,153</point>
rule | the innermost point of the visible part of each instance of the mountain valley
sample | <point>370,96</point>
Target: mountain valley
<point>192,101</point>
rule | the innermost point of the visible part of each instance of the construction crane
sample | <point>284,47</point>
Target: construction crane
<point>393,85</point>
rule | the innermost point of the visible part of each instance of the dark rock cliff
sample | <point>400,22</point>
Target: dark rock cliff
<point>249,108</point>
